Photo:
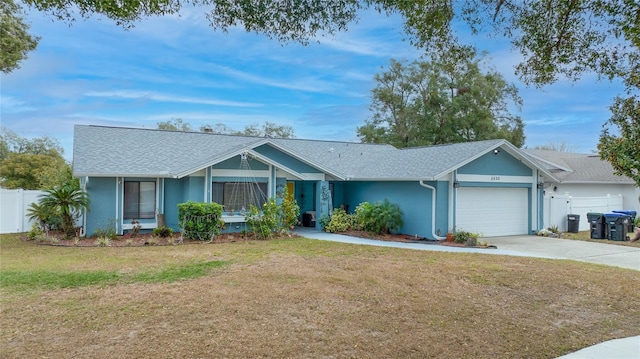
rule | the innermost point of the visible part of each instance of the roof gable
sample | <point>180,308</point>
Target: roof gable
<point>112,151</point>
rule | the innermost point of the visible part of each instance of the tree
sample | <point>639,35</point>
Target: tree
<point>623,150</point>
<point>24,170</point>
<point>67,200</point>
<point>175,124</point>
<point>31,164</point>
<point>268,129</point>
<point>12,142</point>
<point>558,146</point>
<point>15,41</point>
<point>555,37</point>
<point>445,100</point>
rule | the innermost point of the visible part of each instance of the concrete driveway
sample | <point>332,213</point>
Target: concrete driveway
<point>592,252</point>
<point>524,246</point>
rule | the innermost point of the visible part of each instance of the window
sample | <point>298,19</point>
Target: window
<point>238,195</point>
<point>139,199</point>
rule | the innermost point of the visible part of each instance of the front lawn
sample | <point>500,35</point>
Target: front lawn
<point>297,297</point>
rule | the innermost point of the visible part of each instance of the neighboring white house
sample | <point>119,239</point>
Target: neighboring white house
<point>586,184</point>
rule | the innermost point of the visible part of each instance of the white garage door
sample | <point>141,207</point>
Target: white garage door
<point>492,211</point>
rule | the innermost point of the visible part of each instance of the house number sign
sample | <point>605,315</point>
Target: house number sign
<point>462,177</point>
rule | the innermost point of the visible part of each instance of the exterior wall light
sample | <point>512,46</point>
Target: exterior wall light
<point>456,184</point>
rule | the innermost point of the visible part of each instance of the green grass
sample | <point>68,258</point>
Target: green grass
<point>29,267</point>
<point>34,279</point>
<point>172,274</point>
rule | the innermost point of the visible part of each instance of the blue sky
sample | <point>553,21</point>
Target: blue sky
<point>94,72</point>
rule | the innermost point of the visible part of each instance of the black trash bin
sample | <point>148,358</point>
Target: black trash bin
<point>573,223</point>
<point>616,226</point>
<point>632,217</point>
<point>597,225</point>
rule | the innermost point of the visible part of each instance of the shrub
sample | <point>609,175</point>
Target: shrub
<point>201,221</point>
<point>289,211</point>
<point>108,230</point>
<point>163,232</point>
<point>465,237</point>
<point>34,232</point>
<point>323,221</point>
<point>340,221</point>
<point>264,224</point>
<point>274,218</point>
<point>381,217</point>
<point>103,241</point>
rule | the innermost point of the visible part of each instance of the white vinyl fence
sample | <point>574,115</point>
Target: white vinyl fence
<point>13,209</point>
<point>557,207</point>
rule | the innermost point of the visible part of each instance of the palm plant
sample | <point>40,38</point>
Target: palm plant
<point>68,199</point>
<point>45,216</point>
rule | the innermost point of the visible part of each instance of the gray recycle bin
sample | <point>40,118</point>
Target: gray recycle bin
<point>616,226</point>
<point>597,225</point>
<point>573,223</point>
<point>632,217</point>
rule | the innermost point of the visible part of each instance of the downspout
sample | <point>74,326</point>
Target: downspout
<point>83,231</point>
<point>433,211</point>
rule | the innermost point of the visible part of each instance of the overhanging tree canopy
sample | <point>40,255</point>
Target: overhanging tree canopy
<point>555,37</point>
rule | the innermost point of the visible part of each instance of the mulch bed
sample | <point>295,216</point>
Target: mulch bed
<point>148,239</point>
<point>406,238</point>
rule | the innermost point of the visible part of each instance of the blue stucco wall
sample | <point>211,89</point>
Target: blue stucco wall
<point>102,193</point>
<point>285,159</point>
<point>413,199</point>
<point>194,189</point>
<point>496,164</point>
<point>173,189</point>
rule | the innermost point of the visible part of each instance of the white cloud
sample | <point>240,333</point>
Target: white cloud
<point>10,104</point>
<point>307,83</point>
<point>145,95</point>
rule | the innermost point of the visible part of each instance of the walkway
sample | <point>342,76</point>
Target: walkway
<point>533,246</point>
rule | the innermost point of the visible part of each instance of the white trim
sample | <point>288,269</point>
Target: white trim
<point>119,209</point>
<point>148,225</point>
<point>534,200</point>
<point>495,178</point>
<point>233,219</point>
<point>157,196</point>
<point>222,158</point>
<point>272,163</point>
<point>239,173</point>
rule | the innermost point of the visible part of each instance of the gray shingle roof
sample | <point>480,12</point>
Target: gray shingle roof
<point>578,167</point>
<point>130,152</point>
<point>114,151</point>
<point>385,162</point>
